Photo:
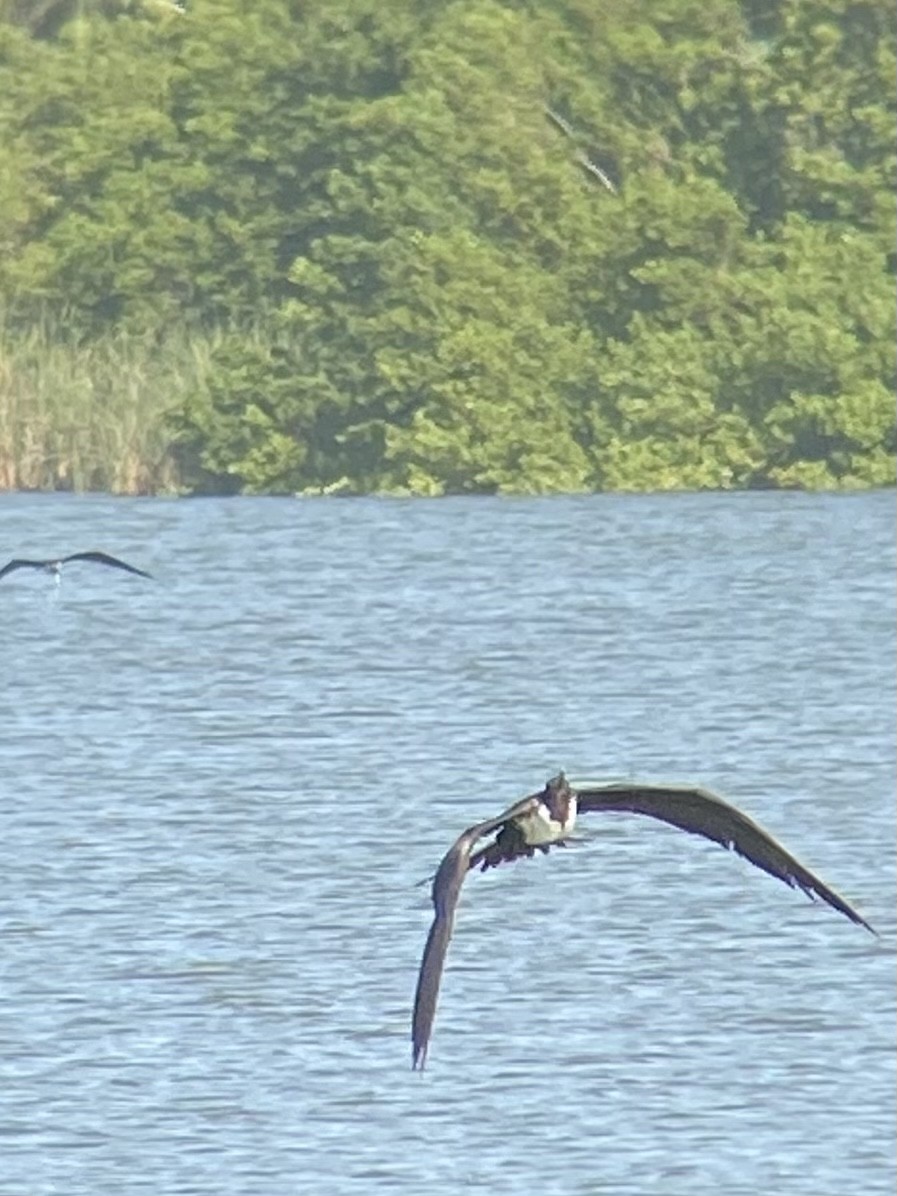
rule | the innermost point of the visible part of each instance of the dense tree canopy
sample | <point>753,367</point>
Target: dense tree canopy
<point>401,274</point>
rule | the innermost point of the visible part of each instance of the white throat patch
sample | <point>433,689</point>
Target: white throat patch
<point>539,827</point>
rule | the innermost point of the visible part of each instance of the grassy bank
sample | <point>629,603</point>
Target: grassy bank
<point>228,410</point>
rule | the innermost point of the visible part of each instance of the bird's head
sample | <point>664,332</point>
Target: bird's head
<point>557,787</point>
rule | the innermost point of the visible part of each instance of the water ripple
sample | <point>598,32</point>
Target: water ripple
<point>218,792</point>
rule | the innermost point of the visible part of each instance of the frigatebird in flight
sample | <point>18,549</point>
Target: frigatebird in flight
<point>546,819</point>
<point>54,566</point>
<point>581,156</point>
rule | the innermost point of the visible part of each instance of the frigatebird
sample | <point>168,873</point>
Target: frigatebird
<point>547,818</point>
<point>581,156</point>
<point>55,565</point>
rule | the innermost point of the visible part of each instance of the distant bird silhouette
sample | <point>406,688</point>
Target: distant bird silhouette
<point>54,566</point>
<point>581,157</point>
<point>547,818</point>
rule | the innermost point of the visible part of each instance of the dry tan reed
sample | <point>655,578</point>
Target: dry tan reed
<point>91,416</point>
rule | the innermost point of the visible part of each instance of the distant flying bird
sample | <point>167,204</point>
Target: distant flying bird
<point>54,566</point>
<point>547,818</point>
<point>581,157</point>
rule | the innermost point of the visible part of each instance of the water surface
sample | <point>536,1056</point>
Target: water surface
<point>218,790</point>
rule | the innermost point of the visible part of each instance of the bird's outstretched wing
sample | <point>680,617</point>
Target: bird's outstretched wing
<point>559,122</point>
<point>595,171</point>
<point>103,558</point>
<point>703,813</point>
<point>20,564</point>
<point>445,893</point>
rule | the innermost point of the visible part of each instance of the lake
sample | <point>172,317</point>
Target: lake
<point>219,789</point>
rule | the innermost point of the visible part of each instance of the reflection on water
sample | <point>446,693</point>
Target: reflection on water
<point>219,789</point>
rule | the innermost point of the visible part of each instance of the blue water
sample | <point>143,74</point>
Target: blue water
<point>219,788</point>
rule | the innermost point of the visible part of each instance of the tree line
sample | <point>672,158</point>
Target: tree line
<point>455,247</point>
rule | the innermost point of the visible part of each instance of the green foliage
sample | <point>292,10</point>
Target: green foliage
<point>239,429</point>
<point>475,374</point>
<point>378,266</point>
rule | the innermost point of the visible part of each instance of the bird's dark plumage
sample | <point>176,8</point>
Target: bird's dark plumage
<point>445,893</point>
<point>690,809</point>
<point>54,564</point>
<point>703,813</point>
